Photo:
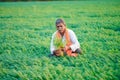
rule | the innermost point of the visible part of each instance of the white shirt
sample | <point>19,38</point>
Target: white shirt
<point>75,44</point>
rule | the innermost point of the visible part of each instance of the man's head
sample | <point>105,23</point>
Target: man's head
<point>60,25</point>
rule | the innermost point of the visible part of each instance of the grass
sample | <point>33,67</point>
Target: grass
<point>25,33</point>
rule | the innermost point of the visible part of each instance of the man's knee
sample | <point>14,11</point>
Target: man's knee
<point>78,51</point>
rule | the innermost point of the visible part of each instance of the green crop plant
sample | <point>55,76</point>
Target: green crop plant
<point>59,45</point>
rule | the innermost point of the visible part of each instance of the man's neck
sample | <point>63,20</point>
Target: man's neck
<point>62,34</point>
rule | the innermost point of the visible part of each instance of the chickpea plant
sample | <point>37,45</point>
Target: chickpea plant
<point>59,45</point>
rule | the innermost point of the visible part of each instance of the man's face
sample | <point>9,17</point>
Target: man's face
<point>60,27</point>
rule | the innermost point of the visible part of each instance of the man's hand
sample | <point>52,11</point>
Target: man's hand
<point>58,52</point>
<point>66,48</point>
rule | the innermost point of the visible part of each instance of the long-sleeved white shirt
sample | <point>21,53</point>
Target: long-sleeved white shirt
<point>75,44</point>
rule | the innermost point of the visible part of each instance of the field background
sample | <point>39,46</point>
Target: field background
<point>25,33</point>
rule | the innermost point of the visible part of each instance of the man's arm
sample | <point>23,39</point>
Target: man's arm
<point>74,40</point>
<point>52,47</point>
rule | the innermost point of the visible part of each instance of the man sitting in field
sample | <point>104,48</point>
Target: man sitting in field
<point>64,41</point>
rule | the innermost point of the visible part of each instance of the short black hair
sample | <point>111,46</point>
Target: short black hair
<point>60,21</point>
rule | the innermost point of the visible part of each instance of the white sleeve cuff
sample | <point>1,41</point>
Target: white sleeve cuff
<point>73,48</point>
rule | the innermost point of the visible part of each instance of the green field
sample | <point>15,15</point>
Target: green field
<point>25,33</point>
